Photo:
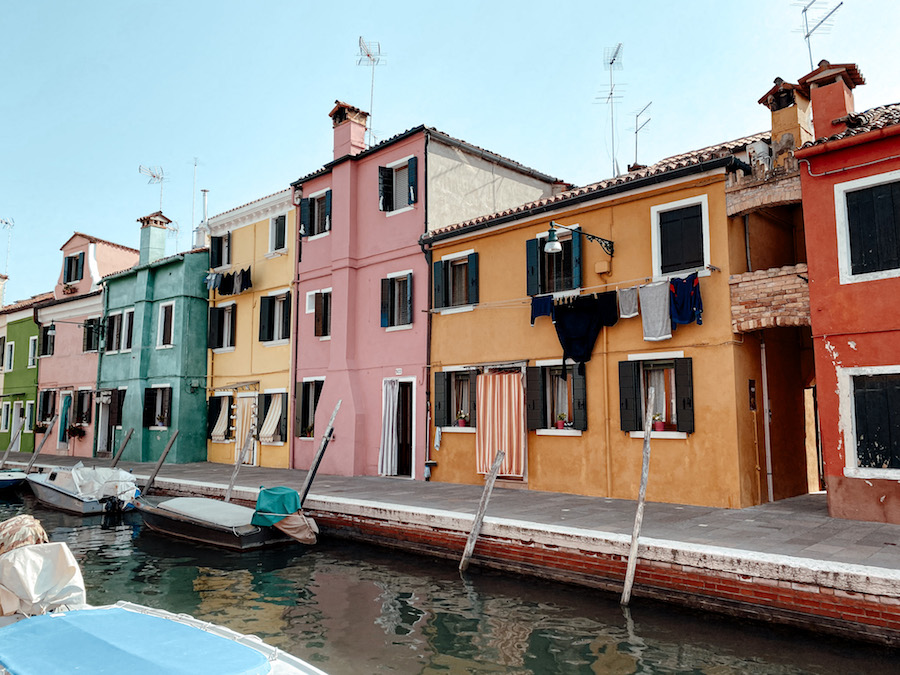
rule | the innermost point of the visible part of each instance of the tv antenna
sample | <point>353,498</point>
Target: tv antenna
<point>7,224</point>
<point>370,55</point>
<point>638,127</point>
<point>612,61</point>
<point>156,175</point>
<point>822,23</point>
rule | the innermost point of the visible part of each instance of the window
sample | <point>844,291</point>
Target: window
<point>278,233</point>
<point>222,325</point>
<point>396,300</point>
<point>274,415</point>
<point>3,352</point>
<point>166,318</point>
<point>157,407</point>
<point>32,350</point>
<point>323,314</point>
<point>219,427</point>
<point>275,317</point>
<point>454,398</point>
<point>867,212</point>
<point>10,356</point>
<point>46,340</point>
<point>305,419</point>
<point>116,404</point>
<point>90,341</point>
<point>672,380</point>
<point>113,340</point>
<point>28,426</point>
<point>680,236</point>
<point>397,185</point>
<point>555,397</point>
<point>127,329</point>
<point>46,405</point>
<point>876,410</point>
<point>5,413</point>
<point>82,413</point>
<point>553,272</point>
<point>73,268</point>
<point>220,250</point>
<point>315,214</point>
<point>456,281</point>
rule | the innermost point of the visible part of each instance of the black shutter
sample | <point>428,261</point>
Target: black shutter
<point>214,409</point>
<point>532,261</point>
<point>86,336</point>
<point>215,252</point>
<point>298,408</point>
<point>876,399</point>
<point>473,393</point>
<point>266,318</point>
<point>873,223</point>
<point>304,217</point>
<point>320,314</point>
<point>214,334</point>
<point>283,421</point>
<point>409,300</point>
<point>412,179</point>
<point>233,326</point>
<point>386,287</point>
<point>150,407</point>
<point>115,408</point>
<point>534,398</point>
<point>681,239</point>
<point>327,224</point>
<point>167,406</point>
<point>441,396</point>
<point>630,396</point>
<point>286,317</point>
<point>684,395</point>
<point>576,259</point>
<point>473,279</point>
<point>439,298</point>
<point>385,189</point>
<point>579,399</point>
<point>79,269</point>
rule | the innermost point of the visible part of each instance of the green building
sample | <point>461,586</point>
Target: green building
<point>153,353</point>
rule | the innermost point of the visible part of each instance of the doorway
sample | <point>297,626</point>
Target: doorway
<point>395,456</point>
<point>404,430</point>
<point>18,420</point>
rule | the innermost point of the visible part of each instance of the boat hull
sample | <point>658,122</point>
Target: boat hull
<point>52,496</point>
<point>11,479</point>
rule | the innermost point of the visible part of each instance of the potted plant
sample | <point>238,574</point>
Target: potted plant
<point>658,424</point>
<point>561,421</point>
<point>75,431</point>
<point>40,428</point>
<point>307,431</point>
<point>462,418</point>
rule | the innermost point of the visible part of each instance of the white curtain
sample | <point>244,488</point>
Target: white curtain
<point>219,431</point>
<point>656,379</point>
<point>246,423</point>
<point>387,453</point>
<point>270,427</point>
<point>500,402</point>
<point>560,397</point>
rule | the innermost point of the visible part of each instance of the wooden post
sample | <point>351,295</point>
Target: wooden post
<point>162,458</point>
<point>37,450</point>
<point>639,515</point>
<point>12,442</point>
<point>248,441</point>
<point>122,448</point>
<point>329,432</point>
<point>482,507</point>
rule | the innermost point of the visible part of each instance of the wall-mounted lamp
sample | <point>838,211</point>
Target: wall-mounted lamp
<point>553,244</point>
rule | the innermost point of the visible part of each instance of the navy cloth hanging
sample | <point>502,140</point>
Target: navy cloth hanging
<point>541,306</point>
<point>685,303</point>
<point>245,279</point>
<point>226,286</point>
<point>608,304</point>
<point>577,326</point>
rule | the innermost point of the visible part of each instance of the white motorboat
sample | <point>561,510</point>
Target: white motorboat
<point>84,490</point>
<point>11,479</point>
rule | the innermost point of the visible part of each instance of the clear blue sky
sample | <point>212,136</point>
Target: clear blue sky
<point>91,90</point>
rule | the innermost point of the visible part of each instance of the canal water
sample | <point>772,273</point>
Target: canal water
<point>355,609</point>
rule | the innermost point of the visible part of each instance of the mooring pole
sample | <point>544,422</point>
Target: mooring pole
<point>37,450</point>
<point>248,441</point>
<point>326,437</point>
<point>159,463</point>
<point>12,442</point>
<point>122,448</point>
<point>639,516</point>
<point>482,507</point>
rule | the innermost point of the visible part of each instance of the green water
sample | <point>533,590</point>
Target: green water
<point>355,609</point>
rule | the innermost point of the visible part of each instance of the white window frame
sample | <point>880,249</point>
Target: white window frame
<point>656,356</point>
<point>117,317</point>
<point>562,235</point>
<point>5,415</point>
<point>32,351</point>
<point>655,243</point>
<point>226,326</point>
<point>303,384</point>
<point>842,222</point>
<point>9,359</point>
<point>28,424</point>
<point>127,320</point>
<point>847,420</point>
<point>402,326</point>
<point>272,251</point>
<point>313,198</point>
<point>393,166</point>
<point>553,431</point>
<point>158,399</point>
<point>456,309</point>
<point>160,324</point>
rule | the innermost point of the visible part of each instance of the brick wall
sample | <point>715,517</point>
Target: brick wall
<point>770,298</point>
<point>745,194</point>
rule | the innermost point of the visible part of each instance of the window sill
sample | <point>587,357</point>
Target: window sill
<point>457,430</point>
<point>391,329</point>
<point>277,253</point>
<point>307,438</point>
<point>320,235</point>
<point>558,432</point>
<point>396,212</point>
<point>275,443</point>
<point>164,346</point>
<point>681,274</point>
<point>660,434</point>
<point>273,343</point>
<point>222,350</point>
<point>34,366</point>
<point>158,428</point>
<point>456,309</point>
<point>856,472</point>
<point>324,338</point>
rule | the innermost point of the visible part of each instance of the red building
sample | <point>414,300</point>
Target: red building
<point>850,179</point>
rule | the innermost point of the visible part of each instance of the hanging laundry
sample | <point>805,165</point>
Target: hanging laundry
<point>686,305</point>
<point>578,324</point>
<point>217,280</point>
<point>655,311</point>
<point>226,287</point>
<point>608,308</point>
<point>628,302</point>
<point>238,277</point>
<point>245,280</point>
<point>541,305</point>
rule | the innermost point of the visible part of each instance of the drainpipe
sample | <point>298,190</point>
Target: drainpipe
<point>766,418</point>
<point>295,331</point>
<point>747,240</point>
<point>429,463</point>
<point>101,344</point>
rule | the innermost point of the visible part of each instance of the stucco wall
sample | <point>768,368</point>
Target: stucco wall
<point>20,384</point>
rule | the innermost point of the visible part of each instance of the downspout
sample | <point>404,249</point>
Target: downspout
<point>766,418</point>
<point>295,331</point>
<point>101,344</point>
<point>429,463</point>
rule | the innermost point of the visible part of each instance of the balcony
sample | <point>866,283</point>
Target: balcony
<point>770,298</point>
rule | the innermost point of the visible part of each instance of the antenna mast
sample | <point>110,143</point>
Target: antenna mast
<point>370,55</point>
<point>638,127</point>
<point>612,60</point>
<point>808,32</point>
<point>8,224</point>
<point>156,175</point>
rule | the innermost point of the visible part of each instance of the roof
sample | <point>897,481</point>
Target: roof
<point>826,72</point>
<point>487,154</point>
<point>25,304</point>
<point>97,240</point>
<point>666,169</point>
<point>261,199</point>
<point>153,263</point>
<point>863,122</point>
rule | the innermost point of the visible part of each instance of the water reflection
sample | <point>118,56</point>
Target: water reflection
<point>355,609</point>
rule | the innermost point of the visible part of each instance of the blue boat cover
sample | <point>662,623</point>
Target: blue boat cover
<point>120,642</point>
<point>275,504</point>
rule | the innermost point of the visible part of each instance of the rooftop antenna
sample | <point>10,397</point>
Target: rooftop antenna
<point>638,127</point>
<point>807,31</point>
<point>370,55</point>
<point>156,175</point>
<point>612,61</point>
<point>7,224</point>
<point>194,194</point>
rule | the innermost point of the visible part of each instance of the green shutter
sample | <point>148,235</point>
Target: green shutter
<point>266,318</point>
<point>79,269</point>
<point>412,179</point>
<point>684,395</point>
<point>409,298</point>
<point>286,317</point>
<point>214,408</point>
<point>214,334</point>
<point>576,259</point>
<point>215,252</point>
<point>439,296</point>
<point>473,394</point>
<point>304,217</point>
<point>386,286</point>
<point>630,396</point>
<point>441,398</point>
<point>534,398</point>
<point>579,399</point>
<point>473,279</point>
<point>327,211</point>
<point>532,261</point>
<point>150,407</point>
<point>385,189</point>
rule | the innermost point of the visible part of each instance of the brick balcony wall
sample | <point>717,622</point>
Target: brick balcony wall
<point>745,194</point>
<point>770,298</point>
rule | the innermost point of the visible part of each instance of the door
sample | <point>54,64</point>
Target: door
<point>404,429</point>
<point>65,410</point>
<point>246,422</point>
<point>18,419</point>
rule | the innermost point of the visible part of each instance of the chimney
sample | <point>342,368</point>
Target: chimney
<point>830,89</point>
<point>202,230</point>
<point>349,125</point>
<point>3,280</point>
<point>791,124</point>
<point>153,237</point>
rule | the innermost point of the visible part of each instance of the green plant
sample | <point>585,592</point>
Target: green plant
<point>75,431</point>
<point>462,415</point>
<point>562,417</point>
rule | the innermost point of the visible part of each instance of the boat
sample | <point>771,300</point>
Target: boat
<point>11,479</point>
<point>84,490</point>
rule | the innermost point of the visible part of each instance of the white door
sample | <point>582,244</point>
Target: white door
<point>18,419</point>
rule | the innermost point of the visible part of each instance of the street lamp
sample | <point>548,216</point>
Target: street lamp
<point>553,244</point>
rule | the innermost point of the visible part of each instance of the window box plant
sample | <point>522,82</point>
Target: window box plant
<point>561,421</point>
<point>40,428</point>
<point>658,424</point>
<point>75,431</point>
<point>462,418</point>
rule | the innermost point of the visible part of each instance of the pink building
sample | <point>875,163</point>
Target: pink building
<point>69,336</point>
<point>360,313</point>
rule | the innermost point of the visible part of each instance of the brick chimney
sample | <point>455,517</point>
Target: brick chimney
<point>791,124</point>
<point>830,89</point>
<point>349,125</point>
<point>153,237</point>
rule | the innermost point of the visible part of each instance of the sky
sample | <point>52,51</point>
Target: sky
<point>233,97</point>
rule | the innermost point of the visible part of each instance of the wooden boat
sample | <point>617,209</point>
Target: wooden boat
<point>83,490</point>
<point>11,479</point>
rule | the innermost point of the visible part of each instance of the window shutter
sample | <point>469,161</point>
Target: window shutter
<point>86,336</point>
<point>681,239</point>
<point>115,408</point>
<point>150,407</point>
<point>168,314</point>
<point>439,295</point>
<point>285,317</point>
<point>875,398</point>
<point>473,279</point>
<point>576,259</point>
<point>167,406</point>
<point>385,189</point>
<point>412,179</point>
<point>266,318</point>
<point>215,252</point>
<point>409,301</point>
<point>532,261</point>
<point>328,211</point>
<point>534,398</point>
<point>214,409</point>
<point>873,222</point>
<point>304,217</point>
<point>684,395</point>
<point>280,228</point>
<point>283,422</point>
<point>441,398</point>
<point>579,400</point>
<point>298,409</point>
<point>52,398</point>
<point>386,286</point>
<point>214,333</point>
<point>233,327</point>
<point>630,396</point>
<point>473,392</point>
<point>79,269</point>
<point>320,314</point>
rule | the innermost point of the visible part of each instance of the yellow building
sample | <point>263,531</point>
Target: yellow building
<point>728,423</point>
<point>251,261</point>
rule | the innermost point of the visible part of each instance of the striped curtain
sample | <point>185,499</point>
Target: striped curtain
<point>500,402</point>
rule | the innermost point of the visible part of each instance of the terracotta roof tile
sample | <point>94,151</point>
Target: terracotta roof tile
<point>864,122</point>
<point>98,240</point>
<point>237,208</point>
<point>25,304</point>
